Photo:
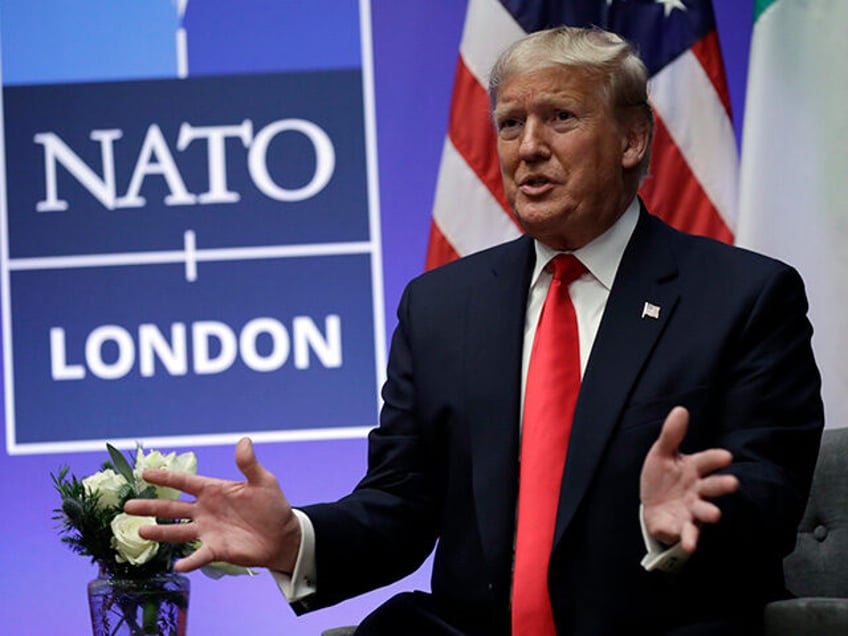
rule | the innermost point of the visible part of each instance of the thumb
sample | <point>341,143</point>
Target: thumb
<point>247,462</point>
<point>673,431</point>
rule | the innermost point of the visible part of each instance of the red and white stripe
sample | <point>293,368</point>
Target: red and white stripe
<point>470,211</point>
<point>693,180</point>
<point>693,177</point>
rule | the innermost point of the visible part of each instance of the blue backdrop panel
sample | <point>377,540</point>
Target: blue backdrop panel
<point>240,395</point>
<point>141,214</point>
<point>329,100</point>
<point>270,35</point>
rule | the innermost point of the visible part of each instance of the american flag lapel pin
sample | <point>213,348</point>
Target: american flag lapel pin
<point>650,310</point>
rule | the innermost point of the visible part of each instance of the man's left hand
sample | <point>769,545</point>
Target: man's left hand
<point>676,489</point>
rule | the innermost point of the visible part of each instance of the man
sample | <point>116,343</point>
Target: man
<point>698,411</point>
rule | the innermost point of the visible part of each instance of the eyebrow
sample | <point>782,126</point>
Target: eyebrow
<point>552,101</point>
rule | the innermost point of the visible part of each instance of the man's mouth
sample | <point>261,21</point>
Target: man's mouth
<point>535,185</point>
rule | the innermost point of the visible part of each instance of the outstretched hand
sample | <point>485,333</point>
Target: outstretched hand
<point>248,523</point>
<point>676,489</point>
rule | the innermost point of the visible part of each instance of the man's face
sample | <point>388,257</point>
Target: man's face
<point>563,156</point>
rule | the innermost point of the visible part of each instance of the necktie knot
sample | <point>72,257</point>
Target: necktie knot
<point>566,268</point>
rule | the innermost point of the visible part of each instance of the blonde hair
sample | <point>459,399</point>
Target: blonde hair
<point>598,54</point>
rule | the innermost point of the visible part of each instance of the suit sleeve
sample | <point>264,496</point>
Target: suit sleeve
<point>386,527</point>
<point>770,418</point>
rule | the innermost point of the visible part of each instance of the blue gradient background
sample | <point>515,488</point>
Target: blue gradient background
<point>42,584</point>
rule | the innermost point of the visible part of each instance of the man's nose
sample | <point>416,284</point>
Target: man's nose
<point>534,143</point>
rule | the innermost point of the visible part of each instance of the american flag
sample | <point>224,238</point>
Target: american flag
<point>692,182</point>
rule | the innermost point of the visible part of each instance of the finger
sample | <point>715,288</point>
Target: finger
<point>666,538</point>
<point>184,482</point>
<point>665,528</point>
<point>248,464</point>
<point>160,508</point>
<point>197,559</point>
<point>705,512</point>
<point>711,460</point>
<point>717,486</point>
<point>169,532</point>
<point>689,538</point>
<point>673,431</point>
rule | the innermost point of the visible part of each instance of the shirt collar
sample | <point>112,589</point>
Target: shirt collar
<point>602,255</point>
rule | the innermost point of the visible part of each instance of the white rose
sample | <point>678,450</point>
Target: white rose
<point>109,484</point>
<point>127,542</point>
<point>183,463</point>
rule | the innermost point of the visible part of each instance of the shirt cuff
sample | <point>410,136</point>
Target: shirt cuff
<point>660,557</point>
<point>302,581</point>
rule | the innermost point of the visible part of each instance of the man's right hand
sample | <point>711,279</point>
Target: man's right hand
<point>248,523</point>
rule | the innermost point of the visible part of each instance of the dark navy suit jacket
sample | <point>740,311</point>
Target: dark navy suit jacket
<point>731,343</point>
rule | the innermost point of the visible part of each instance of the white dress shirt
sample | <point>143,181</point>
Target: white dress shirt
<point>589,292</point>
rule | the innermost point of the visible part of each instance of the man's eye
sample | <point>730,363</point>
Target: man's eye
<point>509,128</point>
<point>563,115</point>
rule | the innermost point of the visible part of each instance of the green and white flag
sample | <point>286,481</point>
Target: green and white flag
<point>794,179</point>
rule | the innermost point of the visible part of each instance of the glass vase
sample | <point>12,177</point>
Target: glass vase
<point>156,605</point>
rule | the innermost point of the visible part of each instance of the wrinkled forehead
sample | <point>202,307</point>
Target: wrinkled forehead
<point>551,82</point>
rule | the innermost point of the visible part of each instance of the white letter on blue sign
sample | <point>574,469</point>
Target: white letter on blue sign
<point>56,150</point>
<point>59,368</point>
<point>328,350</point>
<point>173,355</point>
<point>325,160</point>
<point>94,352</point>
<point>280,344</point>
<point>216,152</point>
<point>155,145</point>
<point>201,333</point>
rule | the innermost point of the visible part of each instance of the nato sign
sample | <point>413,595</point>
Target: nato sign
<point>191,246</point>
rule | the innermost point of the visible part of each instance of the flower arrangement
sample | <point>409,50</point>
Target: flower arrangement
<point>94,524</point>
<point>137,592</point>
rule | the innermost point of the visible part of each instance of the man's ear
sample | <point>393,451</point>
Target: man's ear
<point>635,141</point>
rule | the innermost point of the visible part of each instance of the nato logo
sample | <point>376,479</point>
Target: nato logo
<point>191,255</point>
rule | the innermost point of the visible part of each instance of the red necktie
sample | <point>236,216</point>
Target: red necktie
<point>553,381</point>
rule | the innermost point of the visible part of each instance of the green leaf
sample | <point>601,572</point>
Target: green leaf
<point>121,464</point>
<point>148,493</point>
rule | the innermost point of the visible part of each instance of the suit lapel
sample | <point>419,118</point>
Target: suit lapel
<point>647,273</point>
<point>493,393</point>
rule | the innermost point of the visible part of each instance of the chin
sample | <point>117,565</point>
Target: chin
<point>541,221</point>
